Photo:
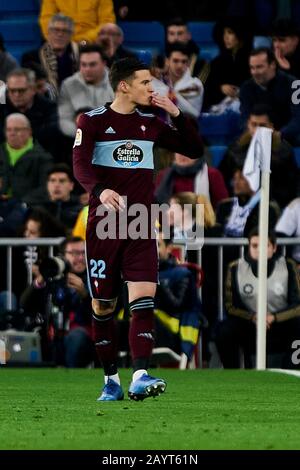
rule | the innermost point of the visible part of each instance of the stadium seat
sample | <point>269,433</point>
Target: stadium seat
<point>147,35</point>
<point>219,129</point>
<point>217,152</point>
<point>19,8</point>
<point>297,155</point>
<point>262,41</point>
<point>145,55</point>
<point>201,32</point>
<point>20,35</point>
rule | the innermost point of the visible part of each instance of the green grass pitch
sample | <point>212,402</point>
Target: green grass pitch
<point>201,409</point>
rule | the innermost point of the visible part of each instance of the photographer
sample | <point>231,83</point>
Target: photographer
<point>59,294</point>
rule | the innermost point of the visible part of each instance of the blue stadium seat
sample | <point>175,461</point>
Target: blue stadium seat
<point>219,129</point>
<point>209,52</point>
<point>201,31</point>
<point>297,155</point>
<point>262,41</point>
<point>144,55</point>
<point>18,8</point>
<point>217,152</point>
<point>147,35</point>
<point>20,35</point>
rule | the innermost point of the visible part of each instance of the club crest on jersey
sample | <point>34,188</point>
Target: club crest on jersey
<point>128,155</point>
<point>78,138</point>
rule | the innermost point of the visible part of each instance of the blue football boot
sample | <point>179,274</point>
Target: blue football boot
<point>111,392</point>
<point>146,386</point>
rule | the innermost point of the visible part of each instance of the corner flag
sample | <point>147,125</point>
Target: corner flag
<point>258,157</point>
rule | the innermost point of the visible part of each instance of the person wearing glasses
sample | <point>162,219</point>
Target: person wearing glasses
<point>69,339</point>
<point>22,97</point>
<point>58,56</point>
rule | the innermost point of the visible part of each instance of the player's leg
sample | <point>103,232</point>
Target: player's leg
<point>106,343</point>
<point>140,271</point>
<point>103,272</point>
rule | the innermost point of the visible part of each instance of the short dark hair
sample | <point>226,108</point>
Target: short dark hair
<point>177,47</point>
<point>254,232</point>
<point>88,48</point>
<point>124,69</point>
<point>285,27</point>
<point>263,109</point>
<point>69,240</point>
<point>264,50</point>
<point>60,168</point>
<point>178,21</point>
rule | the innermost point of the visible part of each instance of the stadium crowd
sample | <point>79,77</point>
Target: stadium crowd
<point>250,80</point>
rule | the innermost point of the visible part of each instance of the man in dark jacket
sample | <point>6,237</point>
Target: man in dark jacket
<point>60,202</point>
<point>23,163</point>
<point>274,88</point>
<point>22,98</point>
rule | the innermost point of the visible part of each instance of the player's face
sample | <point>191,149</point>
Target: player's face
<point>254,248</point>
<point>140,88</point>
<point>75,255</point>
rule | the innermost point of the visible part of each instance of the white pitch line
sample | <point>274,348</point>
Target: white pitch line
<point>295,373</point>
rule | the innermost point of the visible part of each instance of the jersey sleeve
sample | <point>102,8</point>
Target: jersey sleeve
<point>83,149</point>
<point>183,138</point>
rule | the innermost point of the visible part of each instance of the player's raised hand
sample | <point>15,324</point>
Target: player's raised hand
<point>165,103</point>
<point>112,200</point>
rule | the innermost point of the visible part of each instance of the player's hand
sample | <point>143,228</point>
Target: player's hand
<point>112,200</point>
<point>165,103</point>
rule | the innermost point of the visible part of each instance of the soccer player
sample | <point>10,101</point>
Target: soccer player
<point>113,158</point>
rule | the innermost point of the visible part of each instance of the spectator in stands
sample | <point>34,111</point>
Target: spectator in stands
<point>284,178</point>
<point>43,87</point>
<point>110,38</point>
<point>88,16</point>
<point>177,303</point>
<point>231,67</point>
<point>88,87</point>
<point>21,97</point>
<point>186,91</point>
<point>177,31</point>
<point>60,202</point>
<point>23,163</point>
<point>7,61</point>
<point>286,44</point>
<point>58,56</point>
<point>273,87</point>
<point>289,225</point>
<point>190,175</point>
<point>283,306</point>
<point>71,340</point>
<point>239,215</point>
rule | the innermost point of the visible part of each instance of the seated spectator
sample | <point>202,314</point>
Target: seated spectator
<point>7,61</point>
<point>60,202</point>
<point>239,215</point>
<point>22,97</point>
<point>238,330</point>
<point>177,303</point>
<point>43,87</point>
<point>23,163</point>
<point>12,215</point>
<point>88,87</point>
<point>273,87</point>
<point>71,341</point>
<point>186,91</point>
<point>231,67</point>
<point>289,225</point>
<point>190,175</point>
<point>283,179</point>
<point>88,16</point>
<point>177,32</point>
<point>286,44</point>
<point>110,38</point>
<point>58,56</point>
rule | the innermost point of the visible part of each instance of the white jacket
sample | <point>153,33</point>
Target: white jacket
<point>75,93</point>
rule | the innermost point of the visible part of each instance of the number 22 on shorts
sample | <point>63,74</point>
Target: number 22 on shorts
<point>98,268</point>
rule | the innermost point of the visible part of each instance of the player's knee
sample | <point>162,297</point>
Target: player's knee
<point>103,307</point>
<point>142,305</point>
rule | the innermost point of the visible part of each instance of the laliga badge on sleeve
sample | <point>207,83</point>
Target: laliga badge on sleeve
<point>78,138</point>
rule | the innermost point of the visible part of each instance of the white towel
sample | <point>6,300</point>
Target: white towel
<point>258,156</point>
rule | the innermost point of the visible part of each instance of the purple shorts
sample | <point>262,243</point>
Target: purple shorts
<point>110,261</point>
